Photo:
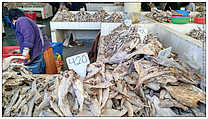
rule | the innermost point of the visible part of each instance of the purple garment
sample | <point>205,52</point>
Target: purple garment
<point>27,35</point>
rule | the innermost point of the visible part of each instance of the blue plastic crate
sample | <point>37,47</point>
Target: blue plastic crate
<point>8,22</point>
<point>184,13</point>
<point>57,47</point>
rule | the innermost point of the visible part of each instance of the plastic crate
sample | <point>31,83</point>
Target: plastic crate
<point>8,22</point>
<point>31,15</point>
<point>200,20</point>
<point>184,13</point>
<point>179,19</point>
<point>8,51</point>
<point>57,47</point>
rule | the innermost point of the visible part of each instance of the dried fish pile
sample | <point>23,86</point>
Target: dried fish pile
<point>65,15</point>
<point>200,6</point>
<point>198,34</point>
<point>100,16</point>
<point>115,17</point>
<point>134,78</point>
<point>159,16</point>
<point>201,14</point>
<point>162,83</point>
<point>22,91</point>
<point>84,16</point>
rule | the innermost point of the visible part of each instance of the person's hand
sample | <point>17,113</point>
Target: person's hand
<point>27,56</point>
<point>26,53</point>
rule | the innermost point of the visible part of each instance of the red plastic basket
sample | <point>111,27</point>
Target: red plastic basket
<point>199,20</point>
<point>8,51</point>
<point>31,15</point>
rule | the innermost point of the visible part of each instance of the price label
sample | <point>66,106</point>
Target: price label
<point>107,17</point>
<point>78,63</point>
<point>128,22</point>
<point>142,32</point>
<point>165,53</point>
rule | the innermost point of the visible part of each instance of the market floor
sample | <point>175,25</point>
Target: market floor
<point>10,40</point>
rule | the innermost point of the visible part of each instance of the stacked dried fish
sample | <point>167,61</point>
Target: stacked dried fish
<point>201,14</point>
<point>65,15</point>
<point>26,94</point>
<point>22,91</point>
<point>84,16</point>
<point>198,34</point>
<point>200,7</point>
<point>115,17</point>
<point>159,16</point>
<point>165,85</point>
<point>100,16</point>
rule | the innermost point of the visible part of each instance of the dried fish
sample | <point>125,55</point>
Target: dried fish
<point>85,113</point>
<point>118,57</point>
<point>115,17</point>
<point>79,92</point>
<point>62,92</point>
<point>171,103</point>
<point>159,15</point>
<point>105,96</point>
<point>32,103</point>
<point>7,61</point>
<point>164,79</point>
<point>114,113</point>
<point>45,101</point>
<point>146,50</point>
<point>108,76</point>
<point>64,107</point>
<point>130,108</point>
<point>198,34</point>
<point>65,15</point>
<point>95,107</point>
<point>99,16</point>
<point>36,112</point>
<point>24,110</point>
<point>93,69</point>
<point>200,6</point>
<point>13,100</point>
<point>188,95</point>
<point>153,85</point>
<point>151,75</point>
<point>163,92</point>
<point>84,16</point>
<point>47,113</point>
<point>135,100</point>
<point>18,102</point>
<point>160,111</point>
<point>102,85</point>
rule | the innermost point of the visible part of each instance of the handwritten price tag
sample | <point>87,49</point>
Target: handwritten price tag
<point>78,63</point>
<point>165,53</point>
<point>128,22</point>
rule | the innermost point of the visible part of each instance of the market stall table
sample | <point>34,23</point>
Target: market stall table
<point>87,30</point>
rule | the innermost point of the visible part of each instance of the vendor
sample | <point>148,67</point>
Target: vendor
<point>73,6</point>
<point>33,45</point>
<point>76,6</point>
